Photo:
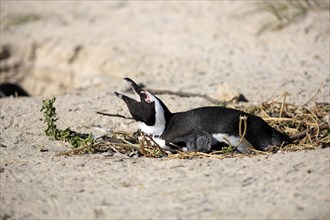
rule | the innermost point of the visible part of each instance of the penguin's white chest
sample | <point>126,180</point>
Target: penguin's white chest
<point>152,130</point>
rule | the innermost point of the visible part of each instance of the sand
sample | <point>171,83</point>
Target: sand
<point>80,51</point>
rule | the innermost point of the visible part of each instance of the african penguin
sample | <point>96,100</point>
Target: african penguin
<point>201,129</point>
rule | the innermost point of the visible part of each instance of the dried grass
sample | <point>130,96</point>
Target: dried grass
<point>281,14</point>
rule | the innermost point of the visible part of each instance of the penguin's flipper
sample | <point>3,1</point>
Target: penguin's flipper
<point>198,140</point>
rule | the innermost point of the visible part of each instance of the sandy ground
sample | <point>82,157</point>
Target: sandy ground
<point>79,51</point>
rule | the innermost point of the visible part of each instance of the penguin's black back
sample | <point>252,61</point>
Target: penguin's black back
<point>215,120</point>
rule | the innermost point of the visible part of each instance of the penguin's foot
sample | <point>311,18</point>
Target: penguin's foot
<point>197,141</point>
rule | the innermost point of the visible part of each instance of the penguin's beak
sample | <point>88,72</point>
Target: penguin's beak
<point>139,93</point>
<point>134,86</point>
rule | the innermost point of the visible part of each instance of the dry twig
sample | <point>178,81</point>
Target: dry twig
<point>114,115</point>
<point>187,94</point>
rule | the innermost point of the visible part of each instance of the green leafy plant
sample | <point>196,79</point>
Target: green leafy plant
<point>76,140</point>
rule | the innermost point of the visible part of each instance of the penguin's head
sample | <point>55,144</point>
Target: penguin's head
<point>143,108</point>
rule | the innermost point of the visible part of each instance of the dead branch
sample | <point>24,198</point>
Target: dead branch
<point>114,115</point>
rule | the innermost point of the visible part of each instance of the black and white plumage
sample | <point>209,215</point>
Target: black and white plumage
<point>199,129</point>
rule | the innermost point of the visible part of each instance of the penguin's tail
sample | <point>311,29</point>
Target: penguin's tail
<point>280,139</point>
